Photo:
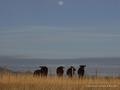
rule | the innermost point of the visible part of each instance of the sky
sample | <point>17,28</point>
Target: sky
<point>60,28</point>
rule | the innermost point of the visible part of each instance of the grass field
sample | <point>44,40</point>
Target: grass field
<point>28,82</point>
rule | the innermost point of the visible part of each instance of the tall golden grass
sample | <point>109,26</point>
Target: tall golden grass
<point>28,82</point>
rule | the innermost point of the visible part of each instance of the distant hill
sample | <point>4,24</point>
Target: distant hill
<point>5,70</point>
<point>23,65</point>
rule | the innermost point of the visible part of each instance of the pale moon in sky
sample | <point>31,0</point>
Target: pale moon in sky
<point>60,3</point>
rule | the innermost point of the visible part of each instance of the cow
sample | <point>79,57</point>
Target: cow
<point>60,71</point>
<point>43,71</point>
<point>81,71</point>
<point>37,72</point>
<point>71,71</point>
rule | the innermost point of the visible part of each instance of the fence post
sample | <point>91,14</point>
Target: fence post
<point>96,72</point>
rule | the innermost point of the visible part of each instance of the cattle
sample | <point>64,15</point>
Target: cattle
<point>71,71</point>
<point>60,71</point>
<point>37,72</point>
<point>81,71</point>
<point>43,71</point>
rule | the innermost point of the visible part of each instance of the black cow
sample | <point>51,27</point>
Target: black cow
<point>81,71</point>
<point>60,71</point>
<point>43,71</point>
<point>37,72</point>
<point>71,71</point>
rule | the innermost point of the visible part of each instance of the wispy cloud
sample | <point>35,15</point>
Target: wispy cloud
<point>80,31</point>
<point>58,42</point>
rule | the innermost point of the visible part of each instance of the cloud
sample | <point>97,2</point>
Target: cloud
<point>52,35</point>
<point>58,42</point>
<point>82,31</point>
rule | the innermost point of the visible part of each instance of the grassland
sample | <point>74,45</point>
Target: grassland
<point>28,82</point>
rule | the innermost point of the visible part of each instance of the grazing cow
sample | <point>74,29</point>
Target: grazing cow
<point>60,71</point>
<point>81,71</point>
<point>71,71</point>
<point>43,71</point>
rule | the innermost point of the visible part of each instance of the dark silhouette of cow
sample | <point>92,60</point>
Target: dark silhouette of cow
<point>43,71</point>
<point>81,71</point>
<point>71,71</point>
<point>60,71</point>
<point>37,72</point>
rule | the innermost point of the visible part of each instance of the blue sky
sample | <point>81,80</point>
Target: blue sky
<point>45,29</point>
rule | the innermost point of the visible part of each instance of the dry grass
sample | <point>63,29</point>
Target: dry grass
<point>28,82</point>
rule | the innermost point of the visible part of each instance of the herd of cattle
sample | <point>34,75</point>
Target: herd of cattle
<point>43,71</point>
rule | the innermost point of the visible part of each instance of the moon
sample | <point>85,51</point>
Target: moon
<point>60,3</point>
